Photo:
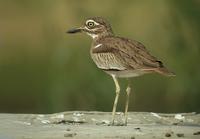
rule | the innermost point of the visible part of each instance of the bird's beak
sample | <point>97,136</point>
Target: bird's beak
<point>75,30</point>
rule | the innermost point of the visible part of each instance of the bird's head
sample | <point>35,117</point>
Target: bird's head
<point>94,27</point>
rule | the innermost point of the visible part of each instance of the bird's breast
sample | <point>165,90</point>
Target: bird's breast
<point>107,61</point>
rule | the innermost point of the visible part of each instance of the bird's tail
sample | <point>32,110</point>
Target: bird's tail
<point>165,71</point>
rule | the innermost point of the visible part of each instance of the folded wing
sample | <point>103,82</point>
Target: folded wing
<point>131,55</point>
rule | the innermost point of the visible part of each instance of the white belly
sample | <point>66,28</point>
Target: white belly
<point>126,73</point>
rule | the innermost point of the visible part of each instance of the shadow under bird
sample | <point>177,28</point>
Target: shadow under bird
<point>119,57</point>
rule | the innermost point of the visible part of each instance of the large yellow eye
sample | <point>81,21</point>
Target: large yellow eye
<point>90,24</point>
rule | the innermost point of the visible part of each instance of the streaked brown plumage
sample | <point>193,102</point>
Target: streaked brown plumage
<point>118,56</point>
<point>121,54</point>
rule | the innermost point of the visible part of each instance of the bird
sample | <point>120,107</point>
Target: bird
<point>119,57</point>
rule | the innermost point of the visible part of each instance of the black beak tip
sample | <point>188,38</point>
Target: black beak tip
<point>75,30</point>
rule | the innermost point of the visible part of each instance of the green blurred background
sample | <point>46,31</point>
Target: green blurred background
<point>45,70</point>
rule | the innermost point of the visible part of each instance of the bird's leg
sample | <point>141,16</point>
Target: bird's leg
<point>116,98</point>
<point>128,90</point>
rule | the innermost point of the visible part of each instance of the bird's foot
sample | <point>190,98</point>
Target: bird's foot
<point>108,123</point>
<point>117,124</point>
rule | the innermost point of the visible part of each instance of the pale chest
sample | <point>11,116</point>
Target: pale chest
<point>106,60</point>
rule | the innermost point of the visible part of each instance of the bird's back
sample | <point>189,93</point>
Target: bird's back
<point>120,55</point>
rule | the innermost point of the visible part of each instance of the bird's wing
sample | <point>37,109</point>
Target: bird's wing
<point>132,54</point>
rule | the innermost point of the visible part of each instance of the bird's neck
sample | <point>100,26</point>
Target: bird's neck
<point>100,36</point>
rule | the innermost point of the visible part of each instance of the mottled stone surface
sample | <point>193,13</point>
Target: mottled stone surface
<point>94,125</point>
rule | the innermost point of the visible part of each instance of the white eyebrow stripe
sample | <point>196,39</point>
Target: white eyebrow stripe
<point>98,45</point>
<point>92,21</point>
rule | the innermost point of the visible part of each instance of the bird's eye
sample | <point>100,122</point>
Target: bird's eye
<point>90,24</point>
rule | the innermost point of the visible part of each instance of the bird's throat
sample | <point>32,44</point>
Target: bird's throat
<point>94,36</point>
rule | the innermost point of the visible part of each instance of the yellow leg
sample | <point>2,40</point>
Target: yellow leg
<point>128,90</point>
<point>116,98</point>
